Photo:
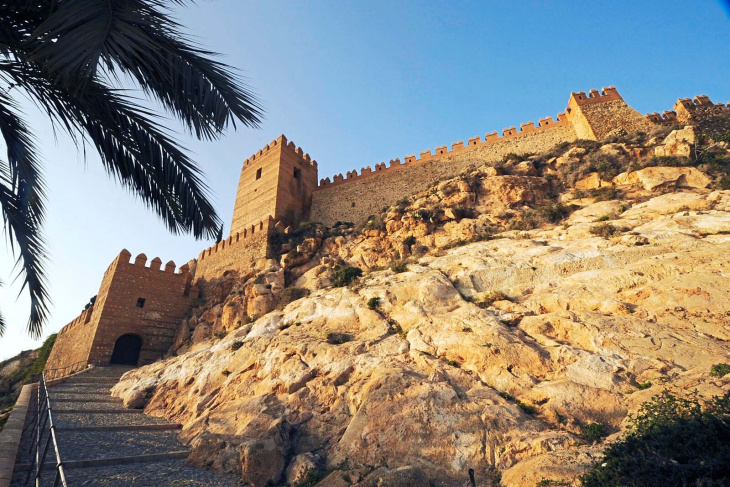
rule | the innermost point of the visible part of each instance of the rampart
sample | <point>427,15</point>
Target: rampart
<point>133,299</point>
<point>356,195</point>
<point>238,252</point>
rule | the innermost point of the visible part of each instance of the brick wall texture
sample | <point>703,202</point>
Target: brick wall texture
<point>354,201</point>
<point>167,297</point>
<point>236,253</point>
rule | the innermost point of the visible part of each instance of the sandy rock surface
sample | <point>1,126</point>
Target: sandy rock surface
<point>489,355</point>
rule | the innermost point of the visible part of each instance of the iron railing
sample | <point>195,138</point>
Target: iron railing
<point>42,422</point>
<point>61,372</point>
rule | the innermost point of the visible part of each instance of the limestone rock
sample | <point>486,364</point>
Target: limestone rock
<point>592,181</point>
<point>263,459</point>
<point>299,467</point>
<point>652,178</point>
<point>486,355</point>
<point>399,477</point>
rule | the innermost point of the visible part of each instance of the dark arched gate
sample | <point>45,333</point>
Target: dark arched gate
<point>126,350</point>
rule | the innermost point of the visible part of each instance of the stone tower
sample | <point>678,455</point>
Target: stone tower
<point>277,181</point>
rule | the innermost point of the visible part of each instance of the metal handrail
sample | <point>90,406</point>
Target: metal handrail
<point>43,417</point>
<point>52,374</point>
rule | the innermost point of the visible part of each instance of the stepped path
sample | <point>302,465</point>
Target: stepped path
<point>102,443</point>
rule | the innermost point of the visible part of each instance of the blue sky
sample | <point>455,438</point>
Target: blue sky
<point>359,83</point>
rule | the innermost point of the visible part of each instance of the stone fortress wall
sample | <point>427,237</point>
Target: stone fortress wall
<point>354,197</point>
<point>236,253</point>
<point>167,295</point>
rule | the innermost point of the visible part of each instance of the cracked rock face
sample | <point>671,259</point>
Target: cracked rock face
<point>442,377</point>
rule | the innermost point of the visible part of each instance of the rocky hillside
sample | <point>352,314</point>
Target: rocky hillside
<point>17,371</point>
<point>505,321</point>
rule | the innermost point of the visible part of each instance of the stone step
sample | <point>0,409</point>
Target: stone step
<point>87,399</point>
<point>123,427</point>
<point>90,380</point>
<point>105,462</point>
<point>74,444</point>
<point>170,472</point>
<point>97,410</point>
<point>105,418</point>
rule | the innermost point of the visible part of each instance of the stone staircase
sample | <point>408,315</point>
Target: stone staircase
<point>103,443</point>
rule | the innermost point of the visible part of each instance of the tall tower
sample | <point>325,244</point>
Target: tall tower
<point>278,180</point>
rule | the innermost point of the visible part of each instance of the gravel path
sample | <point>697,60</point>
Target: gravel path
<point>83,392</point>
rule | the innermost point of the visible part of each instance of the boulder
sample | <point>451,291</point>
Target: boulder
<point>263,459</point>
<point>651,178</point>
<point>592,181</point>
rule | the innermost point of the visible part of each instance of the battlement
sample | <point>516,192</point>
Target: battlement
<point>580,99</point>
<point>262,227</point>
<point>140,261</point>
<point>282,142</point>
<point>81,319</point>
<point>490,138</point>
<point>239,252</point>
<point>666,117</point>
<point>698,102</point>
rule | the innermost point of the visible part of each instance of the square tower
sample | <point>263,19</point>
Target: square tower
<point>277,181</point>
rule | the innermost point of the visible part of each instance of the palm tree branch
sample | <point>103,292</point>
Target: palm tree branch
<point>22,228</point>
<point>132,147</point>
<point>139,38</point>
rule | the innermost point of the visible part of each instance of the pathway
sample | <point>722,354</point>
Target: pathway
<point>104,444</point>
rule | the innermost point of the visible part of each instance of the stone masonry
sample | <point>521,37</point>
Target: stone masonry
<point>133,299</point>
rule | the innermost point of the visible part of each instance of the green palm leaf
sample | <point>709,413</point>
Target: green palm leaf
<point>70,57</point>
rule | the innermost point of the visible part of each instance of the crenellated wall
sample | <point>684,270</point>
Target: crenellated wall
<point>238,252</point>
<point>701,111</point>
<point>277,181</point>
<point>596,115</point>
<point>360,197</point>
<point>508,134</point>
<point>167,296</point>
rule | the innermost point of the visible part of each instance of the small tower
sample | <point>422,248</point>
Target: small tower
<point>278,181</point>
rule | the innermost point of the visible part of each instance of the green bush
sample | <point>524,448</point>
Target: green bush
<point>643,385</point>
<point>552,483</point>
<point>399,267</point>
<point>555,212</point>
<point>290,294</point>
<point>593,432</point>
<point>423,214</point>
<point>345,276</point>
<point>374,303</point>
<point>719,370</point>
<point>671,441</point>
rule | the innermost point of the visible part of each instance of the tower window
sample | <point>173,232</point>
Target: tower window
<point>258,173</point>
<point>297,173</point>
<point>140,302</point>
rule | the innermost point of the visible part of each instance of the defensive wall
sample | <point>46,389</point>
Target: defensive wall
<point>133,299</point>
<point>355,196</point>
<point>236,253</point>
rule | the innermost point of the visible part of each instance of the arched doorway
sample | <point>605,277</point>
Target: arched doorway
<point>126,350</point>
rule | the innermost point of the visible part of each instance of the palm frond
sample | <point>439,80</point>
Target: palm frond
<point>140,38</point>
<point>21,203</point>
<point>133,148</point>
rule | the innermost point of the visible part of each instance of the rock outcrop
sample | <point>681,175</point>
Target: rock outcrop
<point>508,329</point>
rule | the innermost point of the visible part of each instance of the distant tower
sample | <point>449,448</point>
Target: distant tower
<point>278,181</point>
